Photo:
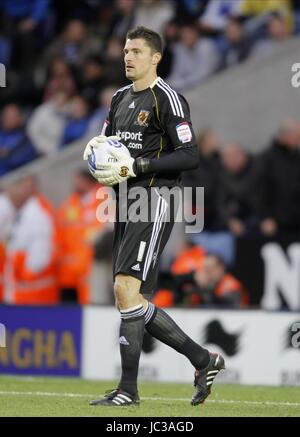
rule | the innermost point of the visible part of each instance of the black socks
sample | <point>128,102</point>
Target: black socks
<point>160,325</point>
<point>131,340</point>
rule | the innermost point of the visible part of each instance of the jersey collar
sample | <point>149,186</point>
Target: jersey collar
<point>154,82</point>
<point>146,89</point>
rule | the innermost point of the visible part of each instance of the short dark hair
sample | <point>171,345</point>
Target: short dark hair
<point>153,39</point>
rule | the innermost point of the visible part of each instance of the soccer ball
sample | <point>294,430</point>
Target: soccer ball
<point>101,155</point>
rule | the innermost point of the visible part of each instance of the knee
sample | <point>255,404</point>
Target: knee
<point>124,296</point>
<point>126,292</point>
<point>119,291</point>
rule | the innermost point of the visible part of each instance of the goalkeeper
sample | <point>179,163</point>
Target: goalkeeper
<point>153,121</point>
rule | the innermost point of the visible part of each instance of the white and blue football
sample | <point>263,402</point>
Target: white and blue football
<point>101,155</point>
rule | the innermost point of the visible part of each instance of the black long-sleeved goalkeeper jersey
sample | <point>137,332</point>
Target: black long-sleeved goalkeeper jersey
<point>152,123</point>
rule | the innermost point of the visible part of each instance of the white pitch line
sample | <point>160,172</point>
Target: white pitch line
<point>228,401</point>
<point>148,398</point>
<point>45,393</point>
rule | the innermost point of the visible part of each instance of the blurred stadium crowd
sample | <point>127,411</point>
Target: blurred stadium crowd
<point>64,61</point>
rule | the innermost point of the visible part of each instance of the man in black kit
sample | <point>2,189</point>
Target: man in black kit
<point>153,122</point>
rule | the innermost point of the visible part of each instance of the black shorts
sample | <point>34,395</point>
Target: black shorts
<point>138,244</point>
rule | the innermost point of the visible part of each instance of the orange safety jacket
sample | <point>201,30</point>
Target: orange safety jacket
<point>164,298</point>
<point>78,226</point>
<point>187,261</point>
<point>6,219</point>
<point>228,284</point>
<point>2,261</point>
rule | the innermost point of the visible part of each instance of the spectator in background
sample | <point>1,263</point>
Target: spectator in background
<point>237,44</point>
<point>188,259</point>
<point>100,114</point>
<point>237,192</point>
<point>171,36</point>
<point>92,79</point>
<point>153,14</point>
<point>216,15</point>
<point>23,24</point>
<point>189,9</point>
<point>114,60</point>
<point>46,125</point>
<point>210,285</point>
<point>78,121</point>
<point>123,18</point>
<point>206,175</point>
<point>280,183</point>
<point>78,232</point>
<point>5,50</point>
<point>277,33</point>
<point>7,213</point>
<point>15,147</point>
<point>74,44</point>
<point>234,204</point>
<point>30,265</point>
<point>60,78</point>
<point>215,286</point>
<point>195,59</point>
<point>296,14</point>
<point>86,10</point>
<point>254,8</point>
<point>215,237</point>
<point>13,90</point>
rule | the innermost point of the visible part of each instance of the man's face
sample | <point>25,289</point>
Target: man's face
<point>234,32</point>
<point>277,28</point>
<point>138,58</point>
<point>11,118</point>
<point>214,271</point>
<point>189,36</point>
<point>234,159</point>
<point>290,135</point>
<point>21,190</point>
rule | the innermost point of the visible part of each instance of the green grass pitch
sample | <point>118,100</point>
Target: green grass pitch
<point>69,397</point>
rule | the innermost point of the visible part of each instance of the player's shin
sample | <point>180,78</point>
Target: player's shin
<point>161,326</point>
<point>131,340</point>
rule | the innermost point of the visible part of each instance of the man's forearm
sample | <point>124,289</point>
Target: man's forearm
<point>185,158</point>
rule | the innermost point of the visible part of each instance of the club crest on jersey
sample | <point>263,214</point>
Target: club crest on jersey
<point>142,118</point>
